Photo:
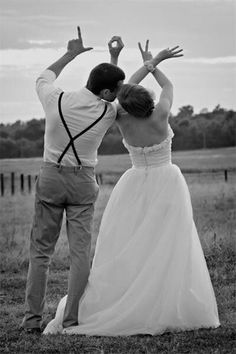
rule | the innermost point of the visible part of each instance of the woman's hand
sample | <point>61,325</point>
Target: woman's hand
<point>76,47</point>
<point>146,54</point>
<point>169,53</point>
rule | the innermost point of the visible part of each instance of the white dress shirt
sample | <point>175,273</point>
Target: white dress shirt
<point>80,109</point>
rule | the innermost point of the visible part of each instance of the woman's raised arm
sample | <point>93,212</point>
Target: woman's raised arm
<point>166,97</point>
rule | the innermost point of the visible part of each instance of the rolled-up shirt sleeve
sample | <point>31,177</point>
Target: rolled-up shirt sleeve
<point>45,87</point>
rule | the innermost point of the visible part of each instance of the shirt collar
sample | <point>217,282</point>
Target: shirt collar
<point>90,94</point>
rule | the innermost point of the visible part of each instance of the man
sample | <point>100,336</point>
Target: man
<point>75,125</point>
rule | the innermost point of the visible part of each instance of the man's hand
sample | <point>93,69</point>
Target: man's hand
<point>146,54</point>
<point>76,47</point>
<point>116,49</point>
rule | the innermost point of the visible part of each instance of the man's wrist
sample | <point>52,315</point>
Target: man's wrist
<point>71,56</point>
<point>114,59</point>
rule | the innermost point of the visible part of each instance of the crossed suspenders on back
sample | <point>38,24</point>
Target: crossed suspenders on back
<point>72,139</point>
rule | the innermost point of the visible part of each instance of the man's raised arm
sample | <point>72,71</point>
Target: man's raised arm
<point>74,48</point>
<point>115,50</point>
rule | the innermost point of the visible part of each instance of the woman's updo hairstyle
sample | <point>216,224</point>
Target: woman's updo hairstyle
<point>136,100</point>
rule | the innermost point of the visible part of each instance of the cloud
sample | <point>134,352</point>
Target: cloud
<point>217,60</point>
<point>44,56</point>
<point>183,1</point>
<point>40,41</point>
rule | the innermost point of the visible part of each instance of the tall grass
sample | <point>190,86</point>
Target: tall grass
<point>214,213</point>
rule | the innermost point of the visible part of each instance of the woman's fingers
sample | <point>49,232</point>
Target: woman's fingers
<point>176,53</point>
<point>177,46</point>
<point>146,47</point>
<point>140,47</point>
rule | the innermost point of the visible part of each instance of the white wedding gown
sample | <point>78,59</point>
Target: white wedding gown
<point>149,273</point>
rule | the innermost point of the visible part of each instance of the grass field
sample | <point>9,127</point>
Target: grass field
<point>214,206</point>
<point>195,159</point>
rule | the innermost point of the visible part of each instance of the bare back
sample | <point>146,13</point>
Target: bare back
<point>142,132</point>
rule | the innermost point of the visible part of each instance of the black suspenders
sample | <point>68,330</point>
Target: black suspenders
<point>72,139</point>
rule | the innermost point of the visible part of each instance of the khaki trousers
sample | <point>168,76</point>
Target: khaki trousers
<point>57,189</point>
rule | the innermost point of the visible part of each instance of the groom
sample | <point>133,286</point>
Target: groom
<point>76,122</point>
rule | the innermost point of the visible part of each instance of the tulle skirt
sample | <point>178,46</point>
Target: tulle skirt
<point>149,274</point>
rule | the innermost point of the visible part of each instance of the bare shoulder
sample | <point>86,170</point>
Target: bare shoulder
<point>121,113</point>
<point>162,111</point>
<point>159,122</point>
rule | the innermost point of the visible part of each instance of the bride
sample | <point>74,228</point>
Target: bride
<point>149,274</point>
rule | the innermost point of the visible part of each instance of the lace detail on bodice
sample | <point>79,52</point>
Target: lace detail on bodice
<point>155,155</point>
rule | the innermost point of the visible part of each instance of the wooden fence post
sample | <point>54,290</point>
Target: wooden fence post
<point>226,175</point>
<point>22,182</point>
<point>29,183</point>
<point>2,184</point>
<point>99,179</point>
<point>12,183</point>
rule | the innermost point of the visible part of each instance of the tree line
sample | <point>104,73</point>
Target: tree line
<point>192,131</point>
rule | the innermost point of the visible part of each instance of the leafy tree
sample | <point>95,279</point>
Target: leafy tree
<point>219,109</point>
<point>9,148</point>
<point>185,111</point>
<point>192,131</point>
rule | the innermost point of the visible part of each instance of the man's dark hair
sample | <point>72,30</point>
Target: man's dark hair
<point>104,76</point>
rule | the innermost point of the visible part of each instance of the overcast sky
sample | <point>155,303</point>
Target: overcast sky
<point>34,33</point>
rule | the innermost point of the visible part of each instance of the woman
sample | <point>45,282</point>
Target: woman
<point>149,274</point>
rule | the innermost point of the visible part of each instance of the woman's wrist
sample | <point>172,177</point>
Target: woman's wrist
<point>149,65</point>
<point>155,61</point>
<point>152,63</point>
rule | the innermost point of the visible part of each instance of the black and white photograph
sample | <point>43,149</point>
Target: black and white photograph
<point>117,176</point>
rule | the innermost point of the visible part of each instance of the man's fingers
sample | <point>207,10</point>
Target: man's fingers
<point>140,47</point>
<point>116,39</point>
<point>79,32</point>
<point>88,48</point>
<point>146,47</point>
<point>120,42</point>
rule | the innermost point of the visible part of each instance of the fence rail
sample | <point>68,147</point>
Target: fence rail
<point>14,182</point>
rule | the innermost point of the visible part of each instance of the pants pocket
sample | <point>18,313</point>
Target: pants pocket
<point>49,187</point>
<point>86,193</point>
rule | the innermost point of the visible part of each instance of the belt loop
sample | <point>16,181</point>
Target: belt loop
<point>78,168</point>
<point>59,166</point>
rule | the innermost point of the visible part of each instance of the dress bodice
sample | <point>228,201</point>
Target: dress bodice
<point>151,156</point>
